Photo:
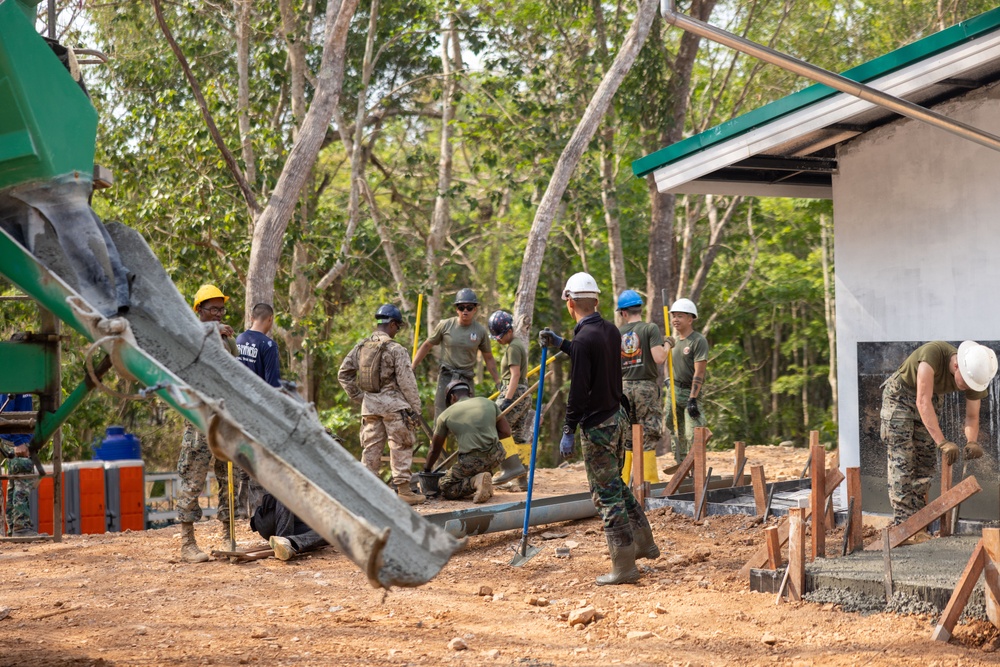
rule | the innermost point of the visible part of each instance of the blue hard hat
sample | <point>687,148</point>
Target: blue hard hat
<point>500,322</point>
<point>628,298</point>
<point>388,313</point>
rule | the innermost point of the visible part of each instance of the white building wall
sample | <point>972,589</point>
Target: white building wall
<point>917,241</point>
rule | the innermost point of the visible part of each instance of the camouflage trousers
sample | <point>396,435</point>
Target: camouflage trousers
<point>604,448</point>
<point>393,427</point>
<point>681,441</point>
<point>18,501</point>
<point>457,482</point>
<point>909,447</point>
<point>519,416</point>
<point>647,409</point>
<point>445,377</point>
<point>192,466</point>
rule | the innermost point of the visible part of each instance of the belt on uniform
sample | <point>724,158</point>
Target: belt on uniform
<point>683,385</point>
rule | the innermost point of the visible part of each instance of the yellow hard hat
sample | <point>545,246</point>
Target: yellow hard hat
<point>206,292</point>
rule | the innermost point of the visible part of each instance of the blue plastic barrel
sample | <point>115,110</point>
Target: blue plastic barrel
<point>117,445</point>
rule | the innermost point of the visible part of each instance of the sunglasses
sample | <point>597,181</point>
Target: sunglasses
<point>465,307</point>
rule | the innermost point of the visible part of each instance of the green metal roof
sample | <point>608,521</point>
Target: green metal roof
<point>873,69</point>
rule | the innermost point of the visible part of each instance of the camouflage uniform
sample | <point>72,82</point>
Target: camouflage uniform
<point>518,417</point>
<point>910,448</point>
<point>192,466</point>
<point>686,352</point>
<point>640,375</point>
<point>604,448</point>
<point>647,409</point>
<point>384,415</point>
<point>19,494</point>
<point>457,482</point>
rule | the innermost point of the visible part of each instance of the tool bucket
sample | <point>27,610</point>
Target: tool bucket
<point>47,124</point>
<point>429,483</point>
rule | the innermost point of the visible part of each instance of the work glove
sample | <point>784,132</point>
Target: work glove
<point>692,408</point>
<point>566,445</point>
<point>505,403</point>
<point>973,451</point>
<point>549,338</point>
<point>949,452</point>
<point>670,342</point>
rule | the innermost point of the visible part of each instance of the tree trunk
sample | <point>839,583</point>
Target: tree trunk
<point>243,12</point>
<point>717,229</point>
<point>829,310</point>
<point>609,197</point>
<point>534,252</point>
<point>775,373</point>
<point>389,248</point>
<point>265,250</point>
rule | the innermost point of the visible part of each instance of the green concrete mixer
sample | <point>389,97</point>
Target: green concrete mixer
<point>105,282</point>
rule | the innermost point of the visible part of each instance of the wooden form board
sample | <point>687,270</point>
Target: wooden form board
<point>991,543</point>
<point>967,488</point>
<point>739,458</point>
<point>683,470</point>
<point>833,478</point>
<point>947,480</point>
<point>698,447</point>
<point>796,553</point>
<point>818,495</point>
<point>960,597</point>
<point>637,473</point>
<point>854,538</point>
<point>759,488</point>
<point>773,542</point>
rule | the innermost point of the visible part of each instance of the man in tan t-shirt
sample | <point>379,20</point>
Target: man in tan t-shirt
<point>461,338</point>
<point>910,427</point>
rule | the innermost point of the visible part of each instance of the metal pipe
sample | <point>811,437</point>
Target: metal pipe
<point>826,77</point>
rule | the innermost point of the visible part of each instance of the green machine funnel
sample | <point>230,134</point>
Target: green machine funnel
<point>48,127</point>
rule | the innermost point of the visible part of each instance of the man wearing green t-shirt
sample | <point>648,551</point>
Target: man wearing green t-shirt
<point>478,428</point>
<point>909,421</point>
<point>460,337</point>
<point>513,385</point>
<point>643,354</point>
<point>690,365</point>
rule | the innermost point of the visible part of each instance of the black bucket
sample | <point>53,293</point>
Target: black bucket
<point>429,483</point>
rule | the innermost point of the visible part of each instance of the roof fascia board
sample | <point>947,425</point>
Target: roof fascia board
<point>868,72</point>
<point>834,109</point>
<point>745,189</point>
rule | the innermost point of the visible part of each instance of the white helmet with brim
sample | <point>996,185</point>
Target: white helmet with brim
<point>977,364</point>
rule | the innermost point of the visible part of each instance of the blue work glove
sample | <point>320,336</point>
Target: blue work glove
<point>566,445</point>
<point>693,408</point>
<point>549,338</point>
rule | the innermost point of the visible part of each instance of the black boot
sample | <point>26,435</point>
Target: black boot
<point>623,569</point>
<point>642,534</point>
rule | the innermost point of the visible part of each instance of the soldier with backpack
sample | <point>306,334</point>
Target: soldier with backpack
<point>377,373</point>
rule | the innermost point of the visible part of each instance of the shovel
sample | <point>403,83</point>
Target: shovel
<point>525,552</point>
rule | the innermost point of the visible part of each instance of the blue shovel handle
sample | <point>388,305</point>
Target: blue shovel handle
<point>534,442</point>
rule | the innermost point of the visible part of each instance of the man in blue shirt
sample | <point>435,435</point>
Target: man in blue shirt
<point>257,350</point>
<point>18,490</point>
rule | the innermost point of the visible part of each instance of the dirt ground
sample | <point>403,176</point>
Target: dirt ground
<point>124,599</point>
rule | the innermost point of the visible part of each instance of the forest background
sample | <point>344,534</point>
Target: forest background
<point>329,158</point>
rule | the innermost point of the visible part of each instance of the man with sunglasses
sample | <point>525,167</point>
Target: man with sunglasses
<point>196,457</point>
<point>377,374</point>
<point>460,338</point>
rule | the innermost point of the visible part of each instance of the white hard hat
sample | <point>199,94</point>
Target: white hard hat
<point>977,364</point>
<point>581,286</point>
<point>685,306</point>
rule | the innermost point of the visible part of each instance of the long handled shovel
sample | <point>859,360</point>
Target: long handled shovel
<point>525,552</point>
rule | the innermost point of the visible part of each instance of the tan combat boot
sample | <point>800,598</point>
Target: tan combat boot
<point>409,496</point>
<point>484,487</point>
<point>190,553</point>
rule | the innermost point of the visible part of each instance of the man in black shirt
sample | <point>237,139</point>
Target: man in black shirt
<point>595,403</point>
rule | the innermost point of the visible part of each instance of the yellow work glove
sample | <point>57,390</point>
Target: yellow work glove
<point>949,452</point>
<point>973,451</point>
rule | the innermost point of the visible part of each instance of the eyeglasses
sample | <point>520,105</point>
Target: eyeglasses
<point>465,307</point>
<point>215,310</point>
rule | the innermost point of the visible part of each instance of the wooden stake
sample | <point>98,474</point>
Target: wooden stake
<point>960,597</point>
<point>991,543</point>
<point>833,478</point>
<point>818,496</point>
<point>796,553</point>
<point>683,470</point>
<point>947,480</point>
<point>854,541</point>
<point>701,436</point>
<point>887,563</point>
<point>759,488</point>
<point>637,476</point>
<point>739,461</point>
<point>773,547</point>
<point>959,493</point>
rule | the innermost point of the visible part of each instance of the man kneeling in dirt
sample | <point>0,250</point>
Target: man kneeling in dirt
<point>288,535</point>
<point>478,428</point>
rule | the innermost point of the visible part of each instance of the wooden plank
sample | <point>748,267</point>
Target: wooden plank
<point>960,492</point>
<point>773,547</point>
<point>947,480</point>
<point>796,553</point>
<point>700,468</point>
<point>817,496</point>
<point>960,597</point>
<point>682,471</point>
<point>637,476</point>
<point>854,540</point>
<point>739,458</point>
<point>991,543</point>
<point>759,488</point>
<point>833,479</point>
<point>887,564</point>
